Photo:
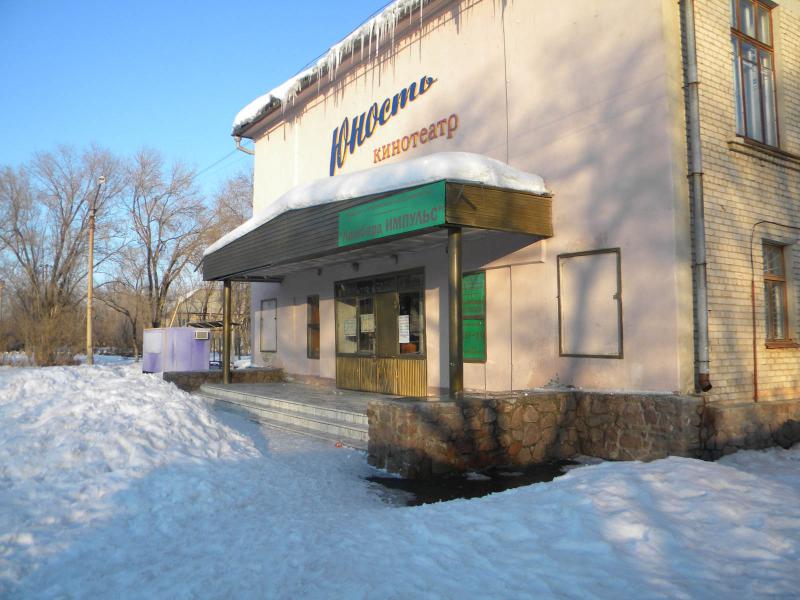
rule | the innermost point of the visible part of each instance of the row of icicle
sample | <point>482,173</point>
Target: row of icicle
<point>371,35</point>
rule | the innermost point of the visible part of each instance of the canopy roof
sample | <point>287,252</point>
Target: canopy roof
<point>401,207</point>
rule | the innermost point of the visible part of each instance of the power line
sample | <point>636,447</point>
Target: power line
<point>215,163</point>
<point>221,167</point>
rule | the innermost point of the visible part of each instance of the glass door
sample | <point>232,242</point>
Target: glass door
<point>380,331</point>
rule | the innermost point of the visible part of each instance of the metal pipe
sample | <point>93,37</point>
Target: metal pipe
<point>226,333</point>
<point>696,191</point>
<point>456,357</point>
<point>90,274</point>
<point>239,146</point>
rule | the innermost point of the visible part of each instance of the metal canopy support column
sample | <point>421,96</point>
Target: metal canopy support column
<point>226,333</point>
<point>455,297</point>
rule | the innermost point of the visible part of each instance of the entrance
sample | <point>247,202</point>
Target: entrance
<point>380,334</point>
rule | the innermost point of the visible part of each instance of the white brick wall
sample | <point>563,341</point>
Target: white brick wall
<point>741,189</point>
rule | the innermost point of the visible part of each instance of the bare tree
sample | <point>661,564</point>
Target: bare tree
<point>43,224</point>
<point>232,206</point>
<point>168,220</point>
<point>125,294</point>
<point>233,202</point>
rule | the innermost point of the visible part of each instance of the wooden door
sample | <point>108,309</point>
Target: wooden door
<point>386,342</point>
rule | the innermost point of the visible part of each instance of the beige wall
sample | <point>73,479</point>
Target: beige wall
<point>592,104</point>
<point>742,186</point>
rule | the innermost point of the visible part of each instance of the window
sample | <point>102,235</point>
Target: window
<point>312,327</point>
<point>754,71</point>
<point>473,294</point>
<point>776,315</point>
<point>411,313</point>
<point>382,316</point>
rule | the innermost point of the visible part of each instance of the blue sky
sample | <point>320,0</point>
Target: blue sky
<point>170,75</point>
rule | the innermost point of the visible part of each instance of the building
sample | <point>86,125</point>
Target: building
<point>202,307</point>
<point>659,264</point>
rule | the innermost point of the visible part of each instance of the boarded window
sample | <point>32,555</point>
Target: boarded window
<point>269,325</point>
<point>473,293</point>
<point>590,304</point>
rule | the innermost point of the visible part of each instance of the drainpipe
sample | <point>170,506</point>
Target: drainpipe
<point>239,146</point>
<point>696,190</point>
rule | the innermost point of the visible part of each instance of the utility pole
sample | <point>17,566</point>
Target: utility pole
<point>89,346</point>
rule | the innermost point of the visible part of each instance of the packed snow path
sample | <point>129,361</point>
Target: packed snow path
<point>115,484</point>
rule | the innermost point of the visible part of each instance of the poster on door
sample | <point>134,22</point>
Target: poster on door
<point>368,323</point>
<point>403,329</point>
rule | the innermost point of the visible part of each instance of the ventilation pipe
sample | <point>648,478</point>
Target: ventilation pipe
<point>696,191</point>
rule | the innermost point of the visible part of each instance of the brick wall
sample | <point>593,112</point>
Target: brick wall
<point>743,185</point>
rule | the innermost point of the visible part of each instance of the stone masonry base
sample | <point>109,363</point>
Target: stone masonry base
<point>418,439</point>
<point>189,381</point>
<point>749,425</point>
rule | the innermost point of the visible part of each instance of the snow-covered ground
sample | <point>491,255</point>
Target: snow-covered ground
<point>114,484</point>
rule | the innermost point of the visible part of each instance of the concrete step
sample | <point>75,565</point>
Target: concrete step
<point>354,435</point>
<point>266,401</point>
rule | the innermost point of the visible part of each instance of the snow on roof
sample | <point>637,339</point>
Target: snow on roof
<point>460,167</point>
<point>369,35</point>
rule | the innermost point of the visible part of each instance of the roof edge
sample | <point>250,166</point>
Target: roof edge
<point>370,34</point>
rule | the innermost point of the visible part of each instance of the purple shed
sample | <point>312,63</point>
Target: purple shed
<point>175,349</point>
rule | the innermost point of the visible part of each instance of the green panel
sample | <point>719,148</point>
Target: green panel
<point>475,340</point>
<point>474,294</point>
<point>415,209</point>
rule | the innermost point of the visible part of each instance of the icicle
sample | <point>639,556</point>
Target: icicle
<point>381,26</point>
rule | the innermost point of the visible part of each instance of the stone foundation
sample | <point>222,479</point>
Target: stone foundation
<point>189,381</point>
<point>731,427</point>
<point>422,438</point>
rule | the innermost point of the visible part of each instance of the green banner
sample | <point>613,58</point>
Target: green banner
<point>473,294</point>
<point>415,209</point>
<point>475,339</point>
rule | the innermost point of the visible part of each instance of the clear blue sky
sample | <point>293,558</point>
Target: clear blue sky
<point>165,74</point>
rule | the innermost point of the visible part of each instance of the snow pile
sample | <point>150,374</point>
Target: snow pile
<point>114,484</point>
<point>73,437</point>
<point>370,35</point>
<point>460,167</point>
<point>243,362</point>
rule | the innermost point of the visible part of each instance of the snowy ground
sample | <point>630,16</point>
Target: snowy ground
<point>114,484</point>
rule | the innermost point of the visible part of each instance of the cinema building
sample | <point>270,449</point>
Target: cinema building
<point>561,226</point>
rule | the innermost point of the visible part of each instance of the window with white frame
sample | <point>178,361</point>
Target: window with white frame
<point>754,70</point>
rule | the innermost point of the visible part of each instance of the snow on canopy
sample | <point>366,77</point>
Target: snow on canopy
<point>368,36</point>
<point>459,167</point>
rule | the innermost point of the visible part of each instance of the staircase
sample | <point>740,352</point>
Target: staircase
<point>306,410</point>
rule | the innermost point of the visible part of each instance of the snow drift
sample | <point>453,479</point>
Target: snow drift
<point>115,484</point>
